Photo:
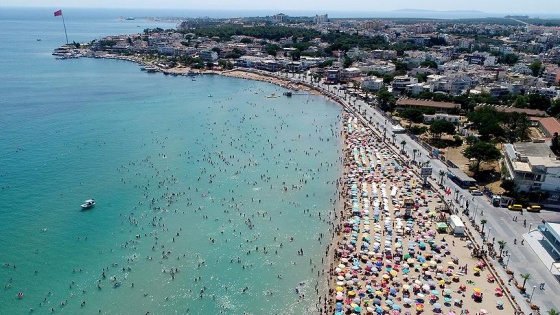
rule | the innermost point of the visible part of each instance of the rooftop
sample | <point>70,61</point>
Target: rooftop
<point>509,109</point>
<point>426,103</point>
<point>551,124</point>
<point>533,155</point>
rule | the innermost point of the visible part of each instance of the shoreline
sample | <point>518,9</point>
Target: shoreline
<point>342,205</point>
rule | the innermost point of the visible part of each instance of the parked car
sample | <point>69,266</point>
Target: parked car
<point>476,192</point>
<point>534,208</point>
<point>515,207</point>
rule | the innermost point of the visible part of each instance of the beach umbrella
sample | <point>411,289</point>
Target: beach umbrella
<point>477,290</point>
<point>407,301</point>
<point>437,305</point>
<point>396,307</point>
<point>447,291</point>
<point>389,302</point>
<point>339,297</point>
<point>483,311</point>
<point>376,301</point>
<point>435,292</point>
<point>339,289</point>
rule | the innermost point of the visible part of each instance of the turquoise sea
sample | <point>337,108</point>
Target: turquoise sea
<point>203,203</point>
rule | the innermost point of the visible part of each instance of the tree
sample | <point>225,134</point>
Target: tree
<point>501,246</point>
<point>413,115</point>
<point>483,222</point>
<point>438,127</point>
<point>347,62</point>
<point>471,140</point>
<point>430,64</point>
<point>538,101</point>
<point>554,108</point>
<point>517,126</point>
<point>555,143</point>
<point>403,143</point>
<point>508,185</point>
<point>414,154</point>
<point>525,276</point>
<point>482,151</point>
<point>272,49</point>
<point>536,67</point>
<point>386,99</point>
<point>553,312</point>
<point>393,136</point>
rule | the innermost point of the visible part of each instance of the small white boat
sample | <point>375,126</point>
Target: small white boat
<point>88,204</point>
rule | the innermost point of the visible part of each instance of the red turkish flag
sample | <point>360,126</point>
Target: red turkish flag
<point>58,13</point>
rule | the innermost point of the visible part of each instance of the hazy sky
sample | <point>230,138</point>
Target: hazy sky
<point>499,6</point>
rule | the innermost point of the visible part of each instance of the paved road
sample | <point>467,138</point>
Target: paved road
<point>500,225</point>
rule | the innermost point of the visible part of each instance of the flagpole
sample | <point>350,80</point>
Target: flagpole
<point>64,27</point>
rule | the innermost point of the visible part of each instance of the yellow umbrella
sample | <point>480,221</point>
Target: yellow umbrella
<point>406,287</point>
<point>339,289</point>
<point>378,293</point>
<point>433,262</point>
<point>351,293</point>
<point>386,277</point>
<point>393,273</point>
<point>442,281</point>
<point>432,213</point>
<point>476,269</point>
<point>476,289</point>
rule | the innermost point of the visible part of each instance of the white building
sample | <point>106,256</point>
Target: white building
<point>372,83</point>
<point>400,82</point>
<point>451,118</point>
<point>532,166</point>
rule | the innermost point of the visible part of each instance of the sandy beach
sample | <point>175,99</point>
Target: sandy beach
<point>386,259</point>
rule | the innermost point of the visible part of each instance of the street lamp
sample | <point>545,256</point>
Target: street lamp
<point>533,293</point>
<point>475,210</point>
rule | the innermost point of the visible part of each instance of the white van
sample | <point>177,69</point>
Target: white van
<point>476,192</point>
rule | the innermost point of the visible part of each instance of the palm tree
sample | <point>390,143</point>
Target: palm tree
<point>482,222</point>
<point>403,143</point>
<point>525,276</point>
<point>414,154</point>
<point>393,136</point>
<point>441,174</point>
<point>501,246</point>
<point>553,312</point>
